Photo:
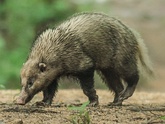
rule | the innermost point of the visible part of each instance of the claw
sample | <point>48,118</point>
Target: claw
<point>115,103</point>
<point>41,103</point>
<point>93,104</point>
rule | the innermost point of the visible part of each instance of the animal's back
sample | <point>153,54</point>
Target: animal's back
<point>105,39</point>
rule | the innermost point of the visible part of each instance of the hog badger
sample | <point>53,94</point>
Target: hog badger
<point>85,43</point>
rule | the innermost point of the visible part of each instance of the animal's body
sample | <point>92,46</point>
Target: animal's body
<point>82,44</point>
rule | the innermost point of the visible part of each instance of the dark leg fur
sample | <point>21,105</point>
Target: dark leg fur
<point>132,82</point>
<point>49,92</point>
<point>87,84</point>
<point>113,81</point>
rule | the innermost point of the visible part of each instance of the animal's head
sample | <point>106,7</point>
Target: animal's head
<point>35,77</point>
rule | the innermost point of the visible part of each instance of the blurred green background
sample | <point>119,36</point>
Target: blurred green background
<point>21,21</point>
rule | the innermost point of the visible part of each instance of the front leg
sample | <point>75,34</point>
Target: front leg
<point>48,94</point>
<point>87,84</point>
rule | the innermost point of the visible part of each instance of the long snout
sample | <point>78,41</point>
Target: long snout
<point>23,98</point>
<point>20,101</point>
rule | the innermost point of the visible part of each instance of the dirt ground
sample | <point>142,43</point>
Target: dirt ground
<point>141,108</point>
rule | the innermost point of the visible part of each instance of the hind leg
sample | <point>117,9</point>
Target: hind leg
<point>87,84</point>
<point>113,81</point>
<point>130,74</point>
<point>132,82</point>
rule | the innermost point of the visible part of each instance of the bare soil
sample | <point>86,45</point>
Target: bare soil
<point>141,108</point>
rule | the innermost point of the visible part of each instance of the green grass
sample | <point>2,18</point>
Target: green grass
<point>162,117</point>
<point>81,116</point>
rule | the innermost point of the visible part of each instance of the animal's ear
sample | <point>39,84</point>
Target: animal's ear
<point>42,67</point>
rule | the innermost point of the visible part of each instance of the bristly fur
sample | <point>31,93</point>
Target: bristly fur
<point>87,42</point>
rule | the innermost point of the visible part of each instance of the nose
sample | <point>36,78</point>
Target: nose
<point>20,101</point>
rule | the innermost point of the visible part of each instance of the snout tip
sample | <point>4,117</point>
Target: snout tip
<point>19,102</point>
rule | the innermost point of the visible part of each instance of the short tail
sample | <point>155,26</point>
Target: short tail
<point>144,64</point>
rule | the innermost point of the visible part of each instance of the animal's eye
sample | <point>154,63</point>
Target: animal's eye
<point>30,83</point>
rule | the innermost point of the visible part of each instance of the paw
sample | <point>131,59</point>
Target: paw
<point>128,93</point>
<point>115,103</point>
<point>41,104</point>
<point>93,103</point>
